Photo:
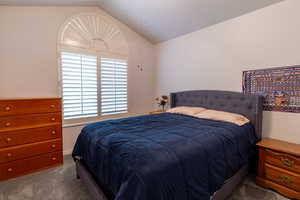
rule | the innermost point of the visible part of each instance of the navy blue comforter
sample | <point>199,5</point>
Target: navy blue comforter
<point>164,156</point>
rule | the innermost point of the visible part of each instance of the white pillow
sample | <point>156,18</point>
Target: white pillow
<point>186,110</point>
<point>223,116</point>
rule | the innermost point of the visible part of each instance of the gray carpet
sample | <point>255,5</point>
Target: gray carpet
<point>61,184</point>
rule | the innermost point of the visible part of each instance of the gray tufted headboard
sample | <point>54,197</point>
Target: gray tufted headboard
<point>248,105</point>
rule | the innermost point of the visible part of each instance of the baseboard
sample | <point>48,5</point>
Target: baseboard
<point>67,152</point>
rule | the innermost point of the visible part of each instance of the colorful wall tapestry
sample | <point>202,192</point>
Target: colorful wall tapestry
<point>279,86</point>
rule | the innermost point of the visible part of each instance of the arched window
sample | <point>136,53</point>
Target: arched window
<point>93,57</point>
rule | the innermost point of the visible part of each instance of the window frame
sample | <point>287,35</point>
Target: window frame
<point>99,55</point>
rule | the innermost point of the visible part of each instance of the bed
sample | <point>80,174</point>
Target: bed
<point>168,156</point>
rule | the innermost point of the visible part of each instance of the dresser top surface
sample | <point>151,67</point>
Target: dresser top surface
<point>26,99</point>
<point>281,146</point>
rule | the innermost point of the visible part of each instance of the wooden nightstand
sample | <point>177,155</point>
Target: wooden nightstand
<point>279,167</point>
<point>156,112</point>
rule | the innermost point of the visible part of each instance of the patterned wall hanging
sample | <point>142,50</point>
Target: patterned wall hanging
<point>279,86</point>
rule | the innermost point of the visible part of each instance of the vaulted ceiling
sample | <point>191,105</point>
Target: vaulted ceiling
<point>161,20</point>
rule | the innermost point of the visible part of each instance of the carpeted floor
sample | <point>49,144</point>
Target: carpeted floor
<point>61,184</point>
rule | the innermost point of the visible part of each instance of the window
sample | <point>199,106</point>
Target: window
<point>85,89</point>
<point>80,92</point>
<point>113,86</point>
<point>94,81</point>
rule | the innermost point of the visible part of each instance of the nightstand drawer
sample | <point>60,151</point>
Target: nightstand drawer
<point>282,177</point>
<point>283,160</point>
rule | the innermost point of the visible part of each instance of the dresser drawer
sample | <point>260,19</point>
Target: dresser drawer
<point>12,123</point>
<point>283,160</point>
<point>282,177</point>
<point>29,150</point>
<point>26,136</point>
<point>21,167</point>
<point>29,106</point>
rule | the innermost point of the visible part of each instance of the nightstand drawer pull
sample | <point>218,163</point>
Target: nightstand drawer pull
<point>53,119</point>
<point>9,169</point>
<point>53,132</point>
<point>285,179</point>
<point>9,154</point>
<point>287,162</point>
<point>7,124</point>
<point>52,106</point>
<point>54,158</point>
<point>53,146</point>
<point>8,139</point>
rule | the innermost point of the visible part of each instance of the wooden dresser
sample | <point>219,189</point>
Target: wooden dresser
<point>30,136</point>
<point>279,167</point>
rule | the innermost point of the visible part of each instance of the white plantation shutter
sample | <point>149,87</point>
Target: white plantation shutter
<point>113,86</point>
<point>80,93</point>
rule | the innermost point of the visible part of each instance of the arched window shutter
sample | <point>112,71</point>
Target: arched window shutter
<point>93,59</point>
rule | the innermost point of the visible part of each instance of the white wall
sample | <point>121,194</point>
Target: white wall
<point>214,58</point>
<point>28,58</point>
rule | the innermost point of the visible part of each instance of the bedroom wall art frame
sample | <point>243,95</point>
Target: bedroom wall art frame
<point>279,86</point>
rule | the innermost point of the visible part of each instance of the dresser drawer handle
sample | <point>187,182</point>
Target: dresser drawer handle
<point>7,124</point>
<point>9,169</point>
<point>8,139</point>
<point>285,179</point>
<point>53,132</point>
<point>7,108</point>
<point>53,119</point>
<point>287,162</point>
<point>52,106</point>
<point>9,154</point>
<point>53,146</point>
<point>54,158</point>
